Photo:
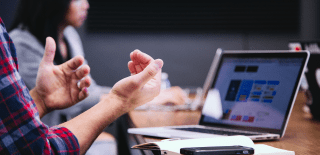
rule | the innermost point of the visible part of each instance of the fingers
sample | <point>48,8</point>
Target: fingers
<point>139,57</point>
<point>72,64</point>
<point>82,72</point>
<point>135,69</point>
<point>83,93</point>
<point>83,86</point>
<point>131,67</point>
<point>139,61</point>
<point>150,71</point>
<point>86,82</point>
<point>49,52</point>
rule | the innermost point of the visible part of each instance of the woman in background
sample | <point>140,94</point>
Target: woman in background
<point>37,19</point>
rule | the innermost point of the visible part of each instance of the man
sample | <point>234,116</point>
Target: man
<point>58,87</point>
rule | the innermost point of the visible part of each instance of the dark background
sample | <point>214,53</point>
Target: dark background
<point>185,34</point>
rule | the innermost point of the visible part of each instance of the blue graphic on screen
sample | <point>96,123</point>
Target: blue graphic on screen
<point>244,91</point>
<point>256,92</point>
<point>251,90</point>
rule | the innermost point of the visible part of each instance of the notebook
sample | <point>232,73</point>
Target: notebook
<point>248,93</point>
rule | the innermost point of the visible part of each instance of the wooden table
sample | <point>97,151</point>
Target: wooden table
<point>302,134</point>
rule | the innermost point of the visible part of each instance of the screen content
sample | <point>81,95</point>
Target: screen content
<point>254,92</point>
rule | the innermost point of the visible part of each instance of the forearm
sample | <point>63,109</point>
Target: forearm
<point>88,125</point>
<point>39,103</point>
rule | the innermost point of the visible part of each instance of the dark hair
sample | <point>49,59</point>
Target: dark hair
<point>42,18</point>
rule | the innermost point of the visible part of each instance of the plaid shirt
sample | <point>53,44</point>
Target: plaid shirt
<point>21,131</point>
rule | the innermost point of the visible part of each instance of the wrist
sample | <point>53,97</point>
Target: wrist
<point>118,103</point>
<point>42,109</point>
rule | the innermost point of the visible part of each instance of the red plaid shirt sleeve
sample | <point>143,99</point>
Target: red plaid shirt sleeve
<point>21,131</point>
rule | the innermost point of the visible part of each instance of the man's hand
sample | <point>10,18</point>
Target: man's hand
<point>59,87</point>
<point>143,84</point>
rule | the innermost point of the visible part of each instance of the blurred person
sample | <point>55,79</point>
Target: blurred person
<point>61,86</point>
<point>37,19</point>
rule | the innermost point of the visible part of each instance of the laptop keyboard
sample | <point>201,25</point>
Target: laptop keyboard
<point>218,132</point>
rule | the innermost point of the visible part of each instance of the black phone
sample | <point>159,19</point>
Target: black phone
<point>217,150</point>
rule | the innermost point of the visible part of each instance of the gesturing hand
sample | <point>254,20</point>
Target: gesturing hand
<point>143,84</point>
<point>57,86</point>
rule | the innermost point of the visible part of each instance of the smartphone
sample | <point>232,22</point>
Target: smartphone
<point>217,150</point>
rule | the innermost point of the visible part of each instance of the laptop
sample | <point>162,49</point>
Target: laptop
<point>248,93</point>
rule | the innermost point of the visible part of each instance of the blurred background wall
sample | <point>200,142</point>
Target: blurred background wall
<point>109,35</point>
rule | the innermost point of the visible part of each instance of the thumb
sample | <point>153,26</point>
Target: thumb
<point>150,71</point>
<point>50,50</point>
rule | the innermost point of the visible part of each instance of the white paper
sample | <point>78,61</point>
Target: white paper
<point>172,146</point>
<point>175,145</point>
<point>261,149</point>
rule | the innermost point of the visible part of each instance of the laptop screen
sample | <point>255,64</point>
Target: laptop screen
<point>256,90</point>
